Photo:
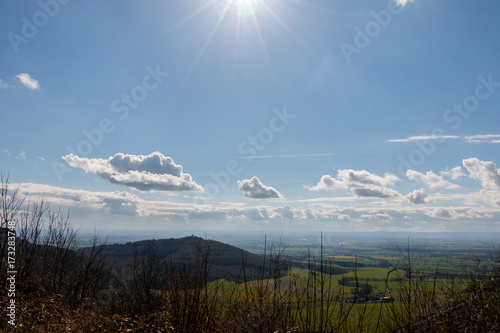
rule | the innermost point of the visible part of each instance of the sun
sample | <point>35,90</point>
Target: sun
<point>245,7</point>
<point>241,12</point>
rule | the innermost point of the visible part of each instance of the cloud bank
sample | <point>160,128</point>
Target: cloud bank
<point>153,172</point>
<point>123,208</point>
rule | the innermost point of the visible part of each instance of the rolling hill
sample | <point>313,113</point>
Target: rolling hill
<point>183,252</point>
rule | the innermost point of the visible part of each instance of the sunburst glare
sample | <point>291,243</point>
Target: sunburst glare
<point>250,13</point>
<point>241,8</point>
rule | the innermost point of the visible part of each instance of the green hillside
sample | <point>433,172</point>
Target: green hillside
<point>227,259</point>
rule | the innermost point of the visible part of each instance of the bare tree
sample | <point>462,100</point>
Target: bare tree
<point>10,205</point>
<point>29,230</point>
<point>147,272</point>
<point>93,271</point>
<point>191,304</point>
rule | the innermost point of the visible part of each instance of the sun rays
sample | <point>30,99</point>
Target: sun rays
<point>243,12</point>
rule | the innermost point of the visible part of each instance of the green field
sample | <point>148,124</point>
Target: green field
<point>317,300</point>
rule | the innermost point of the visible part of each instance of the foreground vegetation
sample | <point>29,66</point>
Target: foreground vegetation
<point>62,287</point>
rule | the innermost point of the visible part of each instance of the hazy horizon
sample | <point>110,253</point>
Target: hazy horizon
<point>238,238</point>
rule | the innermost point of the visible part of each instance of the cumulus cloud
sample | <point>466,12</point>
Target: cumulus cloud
<point>253,188</point>
<point>343,217</point>
<point>486,172</point>
<point>153,172</point>
<point>361,183</point>
<point>27,81</point>
<point>455,173</point>
<point>293,213</point>
<point>418,197</point>
<point>120,206</point>
<point>430,179</point>
<point>327,183</point>
<point>490,197</point>
<point>439,213</point>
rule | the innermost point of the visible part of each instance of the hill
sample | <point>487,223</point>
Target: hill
<point>183,252</point>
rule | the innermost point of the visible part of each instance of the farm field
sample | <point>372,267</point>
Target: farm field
<point>369,287</point>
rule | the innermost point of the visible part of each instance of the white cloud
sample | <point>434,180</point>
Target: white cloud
<point>154,172</point>
<point>439,213</point>
<point>7,152</point>
<point>418,197</point>
<point>27,81</point>
<point>430,179</point>
<point>84,202</point>
<point>360,182</point>
<point>486,172</point>
<point>381,215</point>
<point>455,173</point>
<point>253,188</point>
<point>483,138</point>
<point>462,214</point>
<point>126,209</point>
<point>374,192</point>
<point>490,197</point>
<point>287,212</point>
<point>403,2</point>
<point>425,137</point>
<point>121,206</point>
<point>478,138</point>
<point>5,85</point>
<point>327,183</point>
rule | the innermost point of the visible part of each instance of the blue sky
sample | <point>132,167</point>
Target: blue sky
<point>255,114</point>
